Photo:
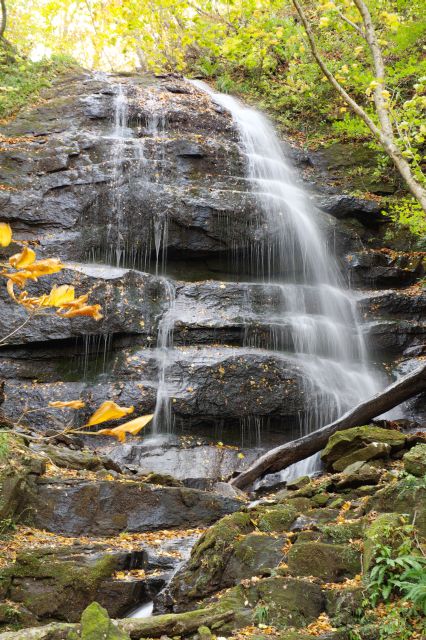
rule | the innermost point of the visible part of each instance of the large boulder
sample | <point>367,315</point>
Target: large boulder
<point>107,507</point>
<point>345,443</point>
<point>415,460</point>
<point>237,547</point>
<point>329,562</point>
<point>58,582</point>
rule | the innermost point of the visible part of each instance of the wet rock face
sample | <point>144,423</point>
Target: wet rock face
<point>109,507</point>
<point>67,175</point>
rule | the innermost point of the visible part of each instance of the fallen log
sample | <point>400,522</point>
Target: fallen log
<point>172,624</point>
<point>283,456</point>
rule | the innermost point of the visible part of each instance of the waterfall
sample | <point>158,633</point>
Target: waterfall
<point>162,421</point>
<point>316,323</point>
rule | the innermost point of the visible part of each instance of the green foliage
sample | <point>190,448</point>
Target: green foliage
<point>4,446</point>
<point>408,212</point>
<point>394,572</point>
<point>398,568</point>
<point>261,614</point>
<point>22,80</point>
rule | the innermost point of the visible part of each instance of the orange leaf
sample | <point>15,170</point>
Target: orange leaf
<point>23,259</point>
<point>133,427</point>
<point>78,302</point>
<point>71,404</point>
<point>92,311</point>
<point>108,410</point>
<point>5,234</point>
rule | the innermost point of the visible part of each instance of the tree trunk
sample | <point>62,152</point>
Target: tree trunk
<point>3,21</point>
<point>287,454</point>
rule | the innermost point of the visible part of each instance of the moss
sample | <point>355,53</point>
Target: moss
<point>275,518</point>
<point>343,443</point>
<point>321,499</point>
<point>415,460</point>
<point>376,534</point>
<point>329,562</point>
<point>96,625</point>
<point>407,496</point>
<point>340,533</point>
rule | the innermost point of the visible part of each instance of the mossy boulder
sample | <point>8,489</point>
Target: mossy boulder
<point>415,460</point>
<point>372,451</point>
<point>378,533</point>
<point>406,496</point>
<point>96,625</point>
<point>275,518</point>
<point>59,582</point>
<point>17,481</point>
<point>203,573</point>
<point>244,544</point>
<point>345,443</point>
<point>329,562</point>
<point>285,602</point>
<point>342,604</point>
<point>358,474</point>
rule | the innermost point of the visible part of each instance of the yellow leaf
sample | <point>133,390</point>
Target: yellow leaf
<point>108,410</point>
<point>71,404</point>
<point>5,234</point>
<point>59,296</point>
<point>23,259</point>
<point>92,311</point>
<point>44,267</point>
<point>241,456</point>
<point>133,427</point>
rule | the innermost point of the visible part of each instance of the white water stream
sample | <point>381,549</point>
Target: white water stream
<point>317,323</point>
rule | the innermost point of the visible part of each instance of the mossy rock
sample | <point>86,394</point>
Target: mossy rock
<point>407,496</point>
<point>341,533</point>
<point>298,483</point>
<point>301,504</point>
<point>96,625</point>
<point>372,451</point>
<point>57,582</point>
<point>344,443</point>
<point>376,534</point>
<point>287,602</point>
<point>17,485</point>
<point>329,562</point>
<point>415,461</point>
<point>342,604</point>
<point>276,518</point>
<point>203,573</point>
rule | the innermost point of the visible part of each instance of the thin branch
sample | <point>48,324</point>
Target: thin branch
<point>23,324</point>
<point>351,24</point>
<point>347,98</point>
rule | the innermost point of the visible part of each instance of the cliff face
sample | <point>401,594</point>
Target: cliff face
<point>151,185</point>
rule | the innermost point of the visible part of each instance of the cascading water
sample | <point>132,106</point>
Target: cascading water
<point>162,420</point>
<point>316,321</point>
